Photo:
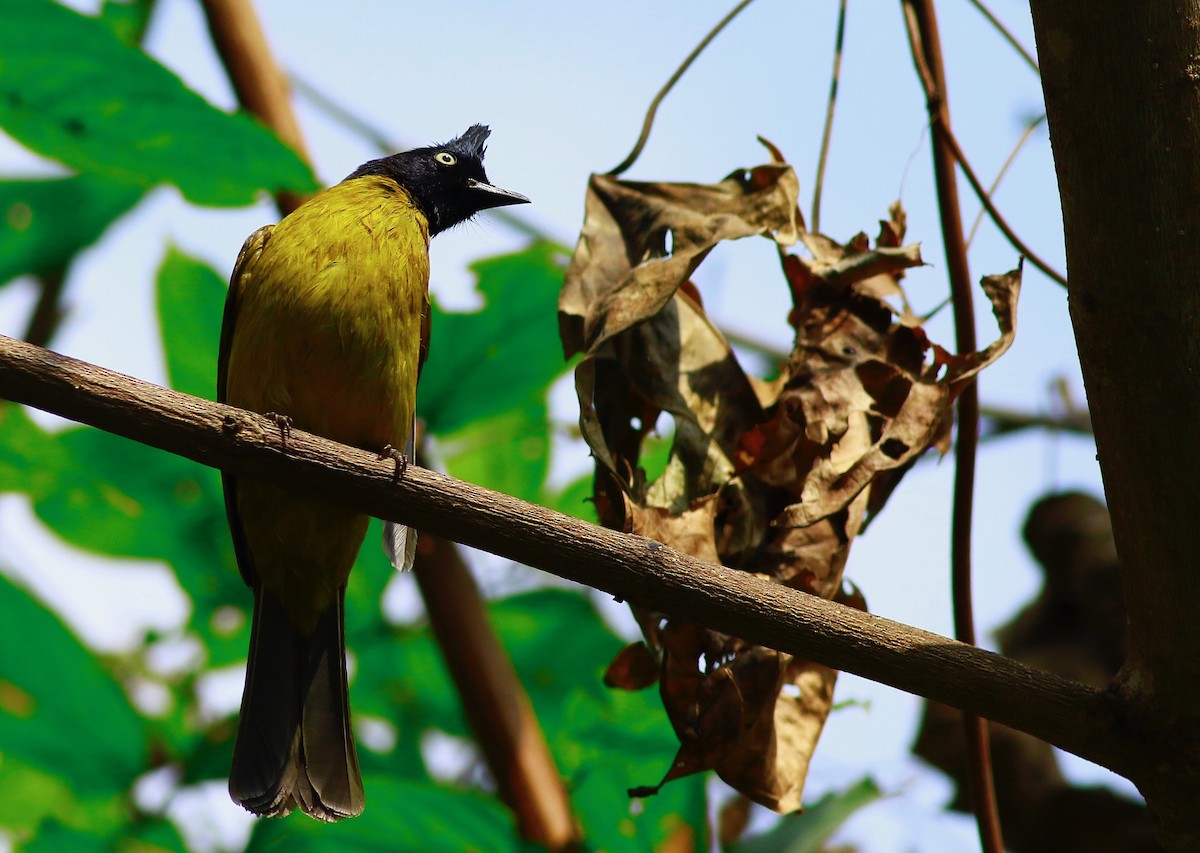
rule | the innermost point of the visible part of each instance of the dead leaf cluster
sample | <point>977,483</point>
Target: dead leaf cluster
<point>775,476</point>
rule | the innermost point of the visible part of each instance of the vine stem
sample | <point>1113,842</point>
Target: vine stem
<point>648,122</point>
<point>921,20</point>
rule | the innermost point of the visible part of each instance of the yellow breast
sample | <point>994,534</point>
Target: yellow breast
<point>329,317</point>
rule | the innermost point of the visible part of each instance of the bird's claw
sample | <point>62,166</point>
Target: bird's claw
<point>398,457</point>
<point>284,424</point>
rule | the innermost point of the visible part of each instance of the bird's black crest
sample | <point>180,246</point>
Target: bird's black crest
<point>448,189</point>
<point>472,142</point>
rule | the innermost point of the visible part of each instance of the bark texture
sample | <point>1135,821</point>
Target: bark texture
<point>1122,86</point>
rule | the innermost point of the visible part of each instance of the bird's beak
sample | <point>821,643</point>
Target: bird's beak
<point>490,196</point>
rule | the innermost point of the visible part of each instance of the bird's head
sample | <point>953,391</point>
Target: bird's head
<point>447,182</point>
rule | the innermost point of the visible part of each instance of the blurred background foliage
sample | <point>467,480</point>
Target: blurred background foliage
<point>95,748</point>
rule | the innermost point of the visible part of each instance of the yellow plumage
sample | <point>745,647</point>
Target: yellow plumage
<point>326,325</point>
<point>328,333</point>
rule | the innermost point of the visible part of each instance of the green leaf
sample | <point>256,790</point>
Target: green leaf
<point>573,499</point>
<point>810,831</point>
<point>116,497</point>
<point>191,299</point>
<point>508,452</point>
<point>72,91</point>
<point>30,458</point>
<point>151,835</point>
<point>59,709</point>
<point>401,815</point>
<point>616,742</point>
<point>503,356</point>
<point>31,795</point>
<point>46,222</point>
<point>559,646</point>
<point>127,18</point>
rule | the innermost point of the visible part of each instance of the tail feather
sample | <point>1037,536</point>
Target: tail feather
<point>294,744</point>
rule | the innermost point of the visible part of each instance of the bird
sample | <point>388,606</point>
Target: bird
<point>326,327</point>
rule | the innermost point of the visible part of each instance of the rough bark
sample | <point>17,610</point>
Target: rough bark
<point>1073,716</point>
<point>1122,86</point>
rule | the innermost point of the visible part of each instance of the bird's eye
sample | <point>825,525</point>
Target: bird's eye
<point>445,158</point>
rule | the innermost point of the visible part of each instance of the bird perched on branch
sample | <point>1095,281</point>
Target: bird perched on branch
<point>326,328</point>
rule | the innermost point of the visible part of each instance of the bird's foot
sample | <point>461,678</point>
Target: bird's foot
<point>398,457</point>
<point>284,424</point>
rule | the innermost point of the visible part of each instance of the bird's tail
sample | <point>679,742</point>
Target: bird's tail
<point>294,744</point>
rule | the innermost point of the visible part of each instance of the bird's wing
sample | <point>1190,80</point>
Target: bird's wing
<point>251,250</point>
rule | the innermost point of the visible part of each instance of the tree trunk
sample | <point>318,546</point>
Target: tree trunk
<point>1122,86</point>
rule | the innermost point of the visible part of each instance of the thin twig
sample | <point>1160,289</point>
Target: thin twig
<point>1012,157</point>
<point>827,133</point>
<point>1007,35</point>
<point>1002,421</point>
<point>994,213</point>
<point>1080,719</point>
<point>47,311</point>
<point>927,55</point>
<point>648,122</point>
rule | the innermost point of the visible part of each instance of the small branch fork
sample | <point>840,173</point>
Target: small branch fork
<point>1072,716</point>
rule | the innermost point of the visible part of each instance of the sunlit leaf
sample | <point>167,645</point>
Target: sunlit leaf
<point>508,452</point>
<point>503,356</point>
<point>43,223</point>
<point>72,91</point>
<point>191,297</point>
<point>400,816</point>
<point>809,831</point>
<point>59,710</point>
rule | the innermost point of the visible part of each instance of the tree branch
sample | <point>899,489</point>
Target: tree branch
<point>261,87</point>
<point>1069,715</point>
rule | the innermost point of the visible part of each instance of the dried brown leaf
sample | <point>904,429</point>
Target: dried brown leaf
<point>634,668</point>
<point>624,271</point>
<point>772,478</point>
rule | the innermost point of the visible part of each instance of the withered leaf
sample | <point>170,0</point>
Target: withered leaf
<point>771,478</point>
<point>624,271</point>
<point>634,668</point>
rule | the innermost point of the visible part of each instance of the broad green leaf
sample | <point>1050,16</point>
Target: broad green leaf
<point>508,452</point>
<point>400,816</point>
<point>130,500</point>
<point>151,835</point>
<point>191,297</point>
<point>810,831</point>
<point>31,794</point>
<point>59,709</point>
<point>123,499</point>
<point>43,223</point>
<point>401,677</point>
<point>127,18</point>
<point>55,837</point>
<point>503,356</point>
<point>72,91</point>
<point>616,742</point>
<point>30,458</point>
<point>559,646</point>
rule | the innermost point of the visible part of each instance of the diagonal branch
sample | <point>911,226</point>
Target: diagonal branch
<point>1072,716</point>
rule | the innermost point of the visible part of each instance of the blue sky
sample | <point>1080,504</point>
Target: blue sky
<point>564,87</point>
